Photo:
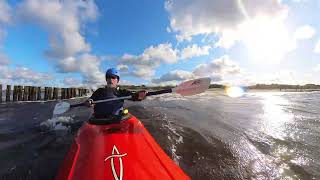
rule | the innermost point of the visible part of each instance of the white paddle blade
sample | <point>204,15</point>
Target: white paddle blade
<point>61,108</point>
<point>192,87</point>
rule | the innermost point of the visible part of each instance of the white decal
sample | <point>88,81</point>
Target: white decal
<point>117,155</point>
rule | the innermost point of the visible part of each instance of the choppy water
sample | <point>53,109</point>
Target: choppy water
<point>262,135</point>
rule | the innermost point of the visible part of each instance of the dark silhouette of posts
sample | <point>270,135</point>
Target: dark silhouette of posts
<point>15,93</point>
<point>0,92</point>
<point>45,93</point>
<point>55,93</point>
<point>50,93</point>
<point>29,93</point>
<point>39,93</point>
<point>25,93</point>
<point>62,93</point>
<point>32,93</point>
<point>8,92</point>
<point>68,93</point>
<point>73,92</point>
<point>20,93</point>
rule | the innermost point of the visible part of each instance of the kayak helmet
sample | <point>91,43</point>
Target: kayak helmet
<point>113,72</point>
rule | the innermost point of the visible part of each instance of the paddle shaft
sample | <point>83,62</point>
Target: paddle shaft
<point>125,97</point>
<point>186,89</point>
<point>159,92</point>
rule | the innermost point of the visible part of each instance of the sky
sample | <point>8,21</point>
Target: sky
<point>71,43</point>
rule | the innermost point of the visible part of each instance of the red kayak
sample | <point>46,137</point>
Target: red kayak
<point>121,150</point>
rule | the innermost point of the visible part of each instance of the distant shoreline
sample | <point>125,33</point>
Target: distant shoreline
<point>263,87</point>
<point>285,90</point>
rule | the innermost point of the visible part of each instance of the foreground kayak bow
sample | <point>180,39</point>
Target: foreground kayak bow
<point>122,150</point>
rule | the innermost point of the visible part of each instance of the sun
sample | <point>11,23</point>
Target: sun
<point>234,91</point>
<point>266,39</point>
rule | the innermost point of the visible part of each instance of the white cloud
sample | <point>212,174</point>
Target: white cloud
<point>162,53</point>
<point>5,72</point>
<point>284,76</point>
<point>317,68</point>
<point>309,75</point>
<point>304,32</point>
<point>5,12</point>
<point>4,60</point>
<point>189,17</point>
<point>176,75</point>
<point>26,74</point>
<point>23,75</point>
<point>168,29</point>
<point>3,34</point>
<point>123,68</point>
<point>126,82</point>
<point>69,81</point>
<point>194,51</point>
<point>5,18</point>
<point>299,1</point>
<point>259,25</point>
<point>317,47</point>
<point>218,67</point>
<point>266,39</point>
<point>218,70</point>
<point>63,21</point>
<point>87,64</point>
<point>144,72</point>
<point>227,39</point>
<point>144,65</point>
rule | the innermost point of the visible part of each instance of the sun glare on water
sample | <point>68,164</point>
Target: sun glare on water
<point>234,91</point>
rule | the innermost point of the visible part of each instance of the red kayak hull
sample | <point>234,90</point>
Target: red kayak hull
<point>124,150</point>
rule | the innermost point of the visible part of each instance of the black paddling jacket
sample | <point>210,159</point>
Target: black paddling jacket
<point>108,108</point>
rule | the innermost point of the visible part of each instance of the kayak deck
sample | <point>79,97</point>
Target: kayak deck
<point>123,150</point>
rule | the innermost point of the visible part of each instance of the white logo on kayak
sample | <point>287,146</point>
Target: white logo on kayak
<point>117,155</point>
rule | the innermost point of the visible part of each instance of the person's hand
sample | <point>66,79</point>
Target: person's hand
<point>89,103</point>
<point>139,96</point>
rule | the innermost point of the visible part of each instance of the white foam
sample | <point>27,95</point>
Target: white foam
<point>57,123</point>
<point>180,140</point>
<point>175,157</point>
<point>60,127</point>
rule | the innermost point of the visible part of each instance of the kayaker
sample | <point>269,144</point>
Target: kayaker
<point>111,90</point>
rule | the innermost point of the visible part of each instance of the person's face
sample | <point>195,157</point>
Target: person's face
<point>112,80</point>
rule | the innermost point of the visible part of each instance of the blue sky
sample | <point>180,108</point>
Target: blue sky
<point>73,42</point>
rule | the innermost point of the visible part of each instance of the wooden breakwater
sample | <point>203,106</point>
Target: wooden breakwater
<point>35,93</point>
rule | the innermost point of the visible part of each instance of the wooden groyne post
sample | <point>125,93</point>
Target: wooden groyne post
<point>34,93</point>
<point>39,93</point>
<point>0,92</point>
<point>8,92</point>
<point>63,93</point>
<point>15,94</point>
<point>20,90</point>
<point>55,93</point>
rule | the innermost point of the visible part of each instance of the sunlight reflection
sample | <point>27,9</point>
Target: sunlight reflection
<point>234,91</point>
<point>274,117</point>
<point>275,124</point>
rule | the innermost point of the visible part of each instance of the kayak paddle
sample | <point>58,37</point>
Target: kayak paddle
<point>187,88</point>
